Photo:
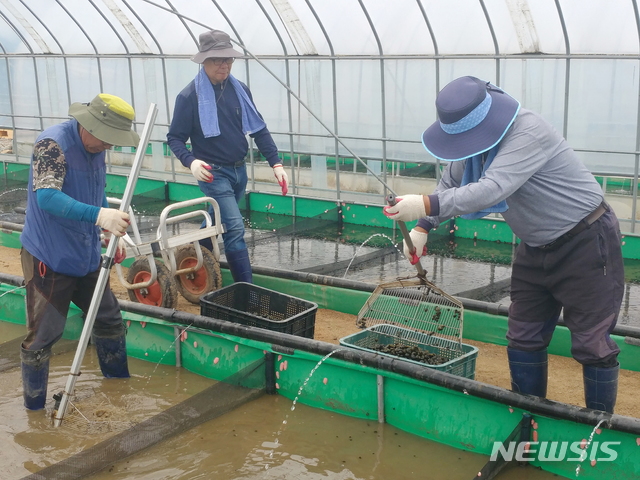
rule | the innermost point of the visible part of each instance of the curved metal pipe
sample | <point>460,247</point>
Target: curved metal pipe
<point>496,47</point>
<point>568,68</point>
<point>334,85</point>
<point>64,58</point>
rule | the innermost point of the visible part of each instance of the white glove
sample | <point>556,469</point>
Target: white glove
<point>200,171</point>
<point>406,209</point>
<point>419,240</point>
<point>113,220</point>
<point>281,176</point>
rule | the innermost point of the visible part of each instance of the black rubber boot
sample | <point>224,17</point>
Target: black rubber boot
<point>240,266</point>
<point>528,371</point>
<point>112,355</point>
<point>35,376</point>
<point>600,387</point>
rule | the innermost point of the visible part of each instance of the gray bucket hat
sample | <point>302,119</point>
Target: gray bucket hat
<point>108,118</point>
<point>473,117</point>
<point>214,44</point>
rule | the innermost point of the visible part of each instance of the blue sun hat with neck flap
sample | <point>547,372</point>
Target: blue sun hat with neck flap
<point>473,116</point>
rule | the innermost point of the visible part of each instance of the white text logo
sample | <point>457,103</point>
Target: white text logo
<point>555,451</point>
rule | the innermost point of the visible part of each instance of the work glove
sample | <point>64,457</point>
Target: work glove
<point>121,251</point>
<point>113,220</point>
<point>419,240</point>
<point>281,176</point>
<point>406,209</point>
<point>200,171</point>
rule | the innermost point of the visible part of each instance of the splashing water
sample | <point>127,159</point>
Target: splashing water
<point>275,444</point>
<point>584,454</point>
<point>13,290</point>
<point>182,332</point>
<point>304,384</point>
<point>13,190</point>
<point>364,243</point>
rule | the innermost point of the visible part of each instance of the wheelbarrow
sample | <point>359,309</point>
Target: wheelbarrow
<point>186,268</point>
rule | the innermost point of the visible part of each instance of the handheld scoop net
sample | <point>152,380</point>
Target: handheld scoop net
<point>415,311</point>
<point>425,313</point>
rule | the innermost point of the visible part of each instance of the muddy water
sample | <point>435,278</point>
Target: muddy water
<point>252,442</point>
<point>314,445</point>
<point>29,440</point>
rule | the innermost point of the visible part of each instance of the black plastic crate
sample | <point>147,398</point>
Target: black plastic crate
<point>462,357</point>
<point>256,306</point>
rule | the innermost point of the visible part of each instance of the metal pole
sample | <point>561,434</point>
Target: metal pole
<point>107,262</point>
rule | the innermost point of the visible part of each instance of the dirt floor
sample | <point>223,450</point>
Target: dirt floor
<point>565,374</point>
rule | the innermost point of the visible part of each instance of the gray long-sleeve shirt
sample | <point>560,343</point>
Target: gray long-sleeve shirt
<point>547,188</point>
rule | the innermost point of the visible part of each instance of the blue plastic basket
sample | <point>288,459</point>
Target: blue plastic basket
<point>463,356</point>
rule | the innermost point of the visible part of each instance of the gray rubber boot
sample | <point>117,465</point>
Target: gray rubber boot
<point>35,376</point>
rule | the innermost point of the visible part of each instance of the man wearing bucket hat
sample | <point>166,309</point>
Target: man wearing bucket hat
<point>216,111</point>
<point>510,160</point>
<point>61,255</point>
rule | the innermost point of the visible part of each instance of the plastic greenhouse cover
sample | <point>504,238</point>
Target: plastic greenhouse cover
<point>320,27</point>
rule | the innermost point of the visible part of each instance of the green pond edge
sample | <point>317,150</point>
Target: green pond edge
<point>426,410</point>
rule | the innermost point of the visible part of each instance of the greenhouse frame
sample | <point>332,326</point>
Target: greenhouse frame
<point>351,80</point>
<point>414,358</point>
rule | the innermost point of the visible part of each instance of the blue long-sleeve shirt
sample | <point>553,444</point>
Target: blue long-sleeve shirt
<point>230,146</point>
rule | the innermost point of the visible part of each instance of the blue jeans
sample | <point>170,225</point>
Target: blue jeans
<point>228,187</point>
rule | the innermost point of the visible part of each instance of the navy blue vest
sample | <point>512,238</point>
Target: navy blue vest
<point>67,246</point>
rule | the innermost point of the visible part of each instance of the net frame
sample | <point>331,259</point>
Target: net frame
<point>421,310</point>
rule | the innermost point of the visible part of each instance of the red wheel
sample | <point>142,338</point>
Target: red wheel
<point>161,293</point>
<point>193,285</point>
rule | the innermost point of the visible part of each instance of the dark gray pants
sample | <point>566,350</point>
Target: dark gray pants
<point>49,295</point>
<point>584,278</point>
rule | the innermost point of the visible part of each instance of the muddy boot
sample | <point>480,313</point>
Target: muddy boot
<point>600,387</point>
<point>528,371</point>
<point>35,375</point>
<point>112,355</point>
<point>240,266</point>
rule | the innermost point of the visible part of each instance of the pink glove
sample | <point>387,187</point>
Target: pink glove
<point>419,240</point>
<point>200,170</point>
<point>406,209</point>
<point>121,251</point>
<point>281,176</point>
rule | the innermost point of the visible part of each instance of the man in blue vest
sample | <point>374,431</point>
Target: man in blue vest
<point>66,209</point>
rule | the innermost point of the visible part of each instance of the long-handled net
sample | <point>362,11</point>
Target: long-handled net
<point>425,314</point>
<point>415,311</point>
